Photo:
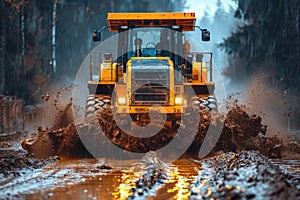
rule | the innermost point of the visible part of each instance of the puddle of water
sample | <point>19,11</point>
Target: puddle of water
<point>108,186</point>
<point>86,179</point>
<point>183,173</point>
<point>54,178</point>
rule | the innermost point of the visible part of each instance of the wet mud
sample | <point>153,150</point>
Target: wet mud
<point>232,170</point>
<point>14,158</point>
<point>243,175</point>
<point>240,131</point>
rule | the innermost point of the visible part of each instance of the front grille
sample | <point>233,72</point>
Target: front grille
<point>150,95</point>
<point>150,87</point>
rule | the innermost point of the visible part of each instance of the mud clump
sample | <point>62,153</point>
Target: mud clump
<point>153,173</point>
<point>63,141</point>
<point>243,175</point>
<point>67,141</point>
<point>147,182</point>
<point>14,158</point>
<point>246,132</point>
<point>242,131</point>
<point>13,162</point>
<point>291,148</point>
<point>129,142</point>
<point>239,130</point>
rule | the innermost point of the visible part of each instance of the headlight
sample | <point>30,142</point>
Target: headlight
<point>178,100</point>
<point>121,100</point>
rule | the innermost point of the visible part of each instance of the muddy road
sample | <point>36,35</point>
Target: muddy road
<point>244,175</point>
<point>246,163</point>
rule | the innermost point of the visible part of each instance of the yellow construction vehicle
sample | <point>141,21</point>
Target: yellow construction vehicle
<point>153,66</point>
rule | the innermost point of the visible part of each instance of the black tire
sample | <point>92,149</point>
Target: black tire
<point>90,108</point>
<point>95,104</point>
<point>206,103</point>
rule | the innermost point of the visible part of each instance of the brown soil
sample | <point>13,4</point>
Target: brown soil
<point>244,175</point>
<point>13,158</point>
<point>241,131</point>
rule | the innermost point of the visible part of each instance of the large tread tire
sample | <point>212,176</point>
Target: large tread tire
<point>205,103</point>
<point>90,108</point>
<point>95,105</point>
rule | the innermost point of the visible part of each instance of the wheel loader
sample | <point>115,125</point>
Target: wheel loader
<point>153,69</point>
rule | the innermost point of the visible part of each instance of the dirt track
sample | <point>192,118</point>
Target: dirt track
<point>237,174</point>
<point>244,175</point>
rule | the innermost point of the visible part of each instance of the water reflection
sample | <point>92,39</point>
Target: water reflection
<point>87,179</point>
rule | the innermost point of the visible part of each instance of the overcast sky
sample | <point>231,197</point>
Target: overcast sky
<point>200,6</point>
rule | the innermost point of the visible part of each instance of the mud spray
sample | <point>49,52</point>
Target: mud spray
<point>252,124</point>
<point>278,111</point>
<point>52,113</point>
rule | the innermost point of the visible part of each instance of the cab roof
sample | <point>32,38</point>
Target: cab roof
<point>186,20</point>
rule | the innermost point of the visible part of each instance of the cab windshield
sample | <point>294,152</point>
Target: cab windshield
<point>146,42</point>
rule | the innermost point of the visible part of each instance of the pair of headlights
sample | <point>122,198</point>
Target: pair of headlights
<point>122,100</point>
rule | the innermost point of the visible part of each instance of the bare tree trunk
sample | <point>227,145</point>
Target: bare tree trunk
<point>22,31</point>
<point>54,36</point>
<point>11,114</point>
<point>3,20</point>
<point>1,114</point>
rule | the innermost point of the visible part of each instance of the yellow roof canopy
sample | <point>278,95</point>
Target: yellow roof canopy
<point>184,19</point>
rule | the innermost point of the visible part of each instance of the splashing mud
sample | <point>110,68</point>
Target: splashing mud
<point>51,112</point>
<point>228,172</point>
<point>241,131</point>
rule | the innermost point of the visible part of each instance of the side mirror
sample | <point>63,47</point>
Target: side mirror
<point>97,36</point>
<point>205,35</point>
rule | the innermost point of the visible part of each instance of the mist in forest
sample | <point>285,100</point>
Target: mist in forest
<point>263,52</point>
<point>256,47</point>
